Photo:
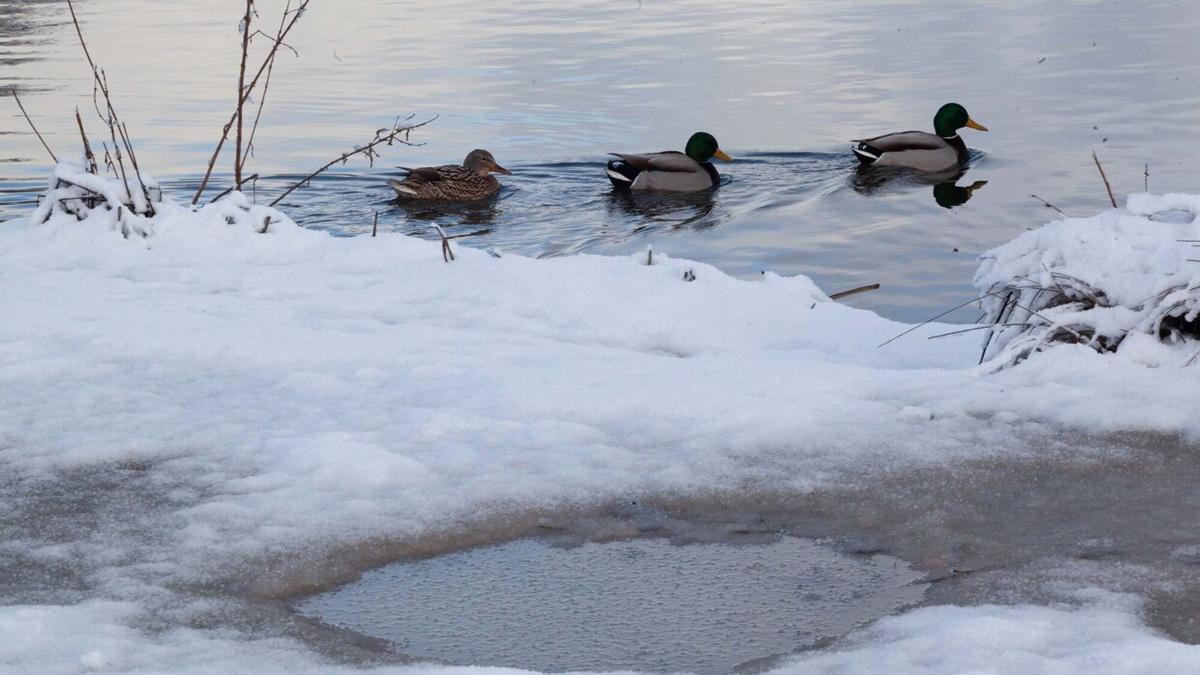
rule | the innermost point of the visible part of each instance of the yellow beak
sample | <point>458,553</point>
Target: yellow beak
<point>720,154</point>
<point>975,125</point>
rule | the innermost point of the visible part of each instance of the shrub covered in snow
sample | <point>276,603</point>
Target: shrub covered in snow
<point>77,195</point>
<point>1096,281</point>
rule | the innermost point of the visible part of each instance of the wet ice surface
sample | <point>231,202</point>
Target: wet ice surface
<point>643,604</point>
<point>1125,519</point>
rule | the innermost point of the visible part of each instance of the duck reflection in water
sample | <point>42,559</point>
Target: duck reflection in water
<point>947,193</point>
<point>450,214</point>
<point>693,210</point>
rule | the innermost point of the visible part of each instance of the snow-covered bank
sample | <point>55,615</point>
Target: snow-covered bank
<point>275,394</point>
<point>1128,273</point>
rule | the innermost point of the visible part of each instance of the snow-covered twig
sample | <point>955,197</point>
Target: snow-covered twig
<point>116,128</point>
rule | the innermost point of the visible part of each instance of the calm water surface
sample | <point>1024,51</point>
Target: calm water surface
<point>551,86</point>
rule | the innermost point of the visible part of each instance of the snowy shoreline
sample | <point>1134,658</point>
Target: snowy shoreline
<point>281,393</point>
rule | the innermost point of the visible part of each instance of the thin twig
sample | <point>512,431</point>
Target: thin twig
<point>1001,316</point>
<point>266,224</point>
<point>447,252</point>
<point>1107,186</point>
<point>31,125</point>
<point>222,193</point>
<point>1146,184</point>
<point>854,291</point>
<point>241,97</point>
<point>975,328</point>
<point>375,225</point>
<point>136,169</point>
<point>382,136</point>
<point>935,318</point>
<point>87,147</point>
<point>1048,204</point>
<point>262,98</point>
<point>212,162</point>
<point>100,83</point>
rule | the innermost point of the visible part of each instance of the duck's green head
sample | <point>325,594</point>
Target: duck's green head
<point>952,117</point>
<point>703,147</point>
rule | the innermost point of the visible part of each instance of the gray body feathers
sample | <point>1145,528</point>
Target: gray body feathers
<point>914,149</point>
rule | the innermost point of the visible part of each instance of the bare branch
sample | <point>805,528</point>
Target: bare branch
<point>87,147</point>
<point>31,125</point>
<point>854,291</point>
<point>241,94</point>
<point>262,99</point>
<point>397,134</point>
<point>296,14</point>
<point>1108,187</point>
<point>1049,205</point>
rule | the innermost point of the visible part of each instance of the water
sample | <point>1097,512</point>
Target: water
<point>550,87</point>
<point>642,604</point>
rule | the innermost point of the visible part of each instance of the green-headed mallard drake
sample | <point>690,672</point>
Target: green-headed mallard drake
<point>918,149</point>
<point>687,171</point>
<point>470,182</point>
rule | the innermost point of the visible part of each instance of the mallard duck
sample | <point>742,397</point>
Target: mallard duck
<point>918,149</point>
<point>670,171</point>
<point>470,182</point>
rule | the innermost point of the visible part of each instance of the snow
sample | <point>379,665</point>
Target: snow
<point>274,396</point>
<point>1097,280</point>
<point>1103,637</point>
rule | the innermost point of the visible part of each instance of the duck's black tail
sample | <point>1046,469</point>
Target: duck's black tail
<point>866,153</point>
<point>621,174</point>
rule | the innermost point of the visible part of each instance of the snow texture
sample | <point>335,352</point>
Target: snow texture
<point>270,394</point>
<point>1098,281</point>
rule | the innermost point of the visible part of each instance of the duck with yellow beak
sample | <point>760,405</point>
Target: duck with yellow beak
<point>918,149</point>
<point>687,171</point>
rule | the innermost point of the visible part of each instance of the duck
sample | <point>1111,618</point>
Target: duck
<point>472,181</point>
<point>670,171</point>
<point>918,149</point>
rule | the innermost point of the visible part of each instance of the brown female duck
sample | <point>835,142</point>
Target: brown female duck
<point>472,181</point>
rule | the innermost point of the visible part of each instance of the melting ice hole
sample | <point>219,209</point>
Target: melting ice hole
<point>642,604</point>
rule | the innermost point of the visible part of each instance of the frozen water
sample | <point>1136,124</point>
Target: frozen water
<point>644,604</point>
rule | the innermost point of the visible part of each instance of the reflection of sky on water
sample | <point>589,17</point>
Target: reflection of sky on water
<point>544,84</point>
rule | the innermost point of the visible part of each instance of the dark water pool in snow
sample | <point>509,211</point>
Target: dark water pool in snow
<point>642,604</point>
<point>550,87</point>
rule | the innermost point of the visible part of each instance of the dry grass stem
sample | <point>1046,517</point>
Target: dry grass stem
<point>854,291</point>
<point>1107,186</point>
<point>87,147</point>
<point>32,125</point>
<point>1049,205</point>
